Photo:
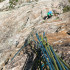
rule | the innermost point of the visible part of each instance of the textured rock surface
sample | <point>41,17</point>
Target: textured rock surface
<point>16,25</point>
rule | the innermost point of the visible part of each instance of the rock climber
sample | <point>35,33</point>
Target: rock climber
<point>49,14</point>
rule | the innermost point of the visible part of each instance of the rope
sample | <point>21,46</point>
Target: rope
<point>26,43</point>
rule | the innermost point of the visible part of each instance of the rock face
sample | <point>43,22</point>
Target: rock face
<point>16,25</point>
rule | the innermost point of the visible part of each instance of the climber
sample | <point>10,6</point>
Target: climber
<point>49,14</point>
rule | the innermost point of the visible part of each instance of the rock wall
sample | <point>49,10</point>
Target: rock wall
<point>17,24</point>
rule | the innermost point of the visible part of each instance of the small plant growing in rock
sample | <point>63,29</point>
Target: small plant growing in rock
<point>12,3</point>
<point>66,9</point>
<point>69,1</point>
<point>1,0</point>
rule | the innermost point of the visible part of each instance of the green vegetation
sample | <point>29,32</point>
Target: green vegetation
<point>1,0</point>
<point>69,0</point>
<point>66,9</point>
<point>12,3</point>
